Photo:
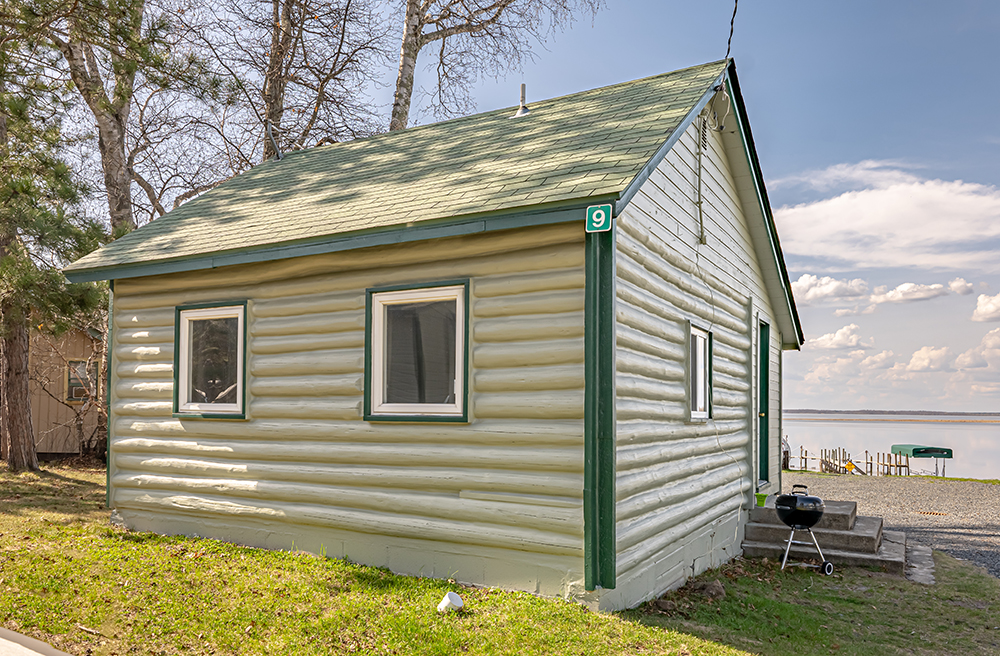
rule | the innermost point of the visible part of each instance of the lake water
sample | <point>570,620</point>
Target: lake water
<point>974,441</point>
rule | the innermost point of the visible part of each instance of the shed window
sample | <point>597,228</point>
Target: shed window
<point>700,373</point>
<point>79,380</point>
<point>417,352</point>
<point>210,360</point>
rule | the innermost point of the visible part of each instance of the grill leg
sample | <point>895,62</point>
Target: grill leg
<point>813,536</point>
<point>788,548</point>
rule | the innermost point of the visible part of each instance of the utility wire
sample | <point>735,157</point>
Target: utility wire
<point>732,24</point>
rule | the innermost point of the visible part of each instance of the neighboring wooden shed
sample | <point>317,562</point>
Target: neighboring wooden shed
<point>406,350</point>
<point>63,373</point>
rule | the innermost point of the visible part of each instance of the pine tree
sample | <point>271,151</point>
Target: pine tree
<point>40,229</point>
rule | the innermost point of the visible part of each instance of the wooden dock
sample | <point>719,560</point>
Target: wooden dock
<point>840,461</point>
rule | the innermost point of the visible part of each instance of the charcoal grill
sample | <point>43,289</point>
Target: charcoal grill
<point>801,512</point>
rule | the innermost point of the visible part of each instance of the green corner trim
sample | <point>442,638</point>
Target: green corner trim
<point>177,362</point>
<point>599,413</point>
<point>432,419</point>
<point>109,373</point>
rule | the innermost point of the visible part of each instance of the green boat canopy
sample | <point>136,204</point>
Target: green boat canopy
<point>917,451</point>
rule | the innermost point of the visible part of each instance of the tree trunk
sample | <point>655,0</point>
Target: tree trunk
<point>111,115</point>
<point>15,409</point>
<point>117,180</point>
<point>412,28</point>
<point>274,79</point>
<point>4,447</point>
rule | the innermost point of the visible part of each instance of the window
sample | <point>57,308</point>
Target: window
<point>209,360</point>
<point>80,379</point>
<point>700,373</point>
<point>416,354</point>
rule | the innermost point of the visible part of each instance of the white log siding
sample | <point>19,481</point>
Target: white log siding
<point>497,501</point>
<point>682,486</point>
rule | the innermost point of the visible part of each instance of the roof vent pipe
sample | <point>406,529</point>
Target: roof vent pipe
<point>523,109</point>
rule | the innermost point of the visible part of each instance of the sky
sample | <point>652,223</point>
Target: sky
<point>875,127</point>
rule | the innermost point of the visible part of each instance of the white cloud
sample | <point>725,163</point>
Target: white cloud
<point>853,369</point>
<point>929,358</point>
<point>883,360</point>
<point>809,288</point>
<point>845,338</point>
<point>850,312</point>
<point>908,292</point>
<point>971,359</point>
<point>835,369</point>
<point>870,172</point>
<point>987,308</point>
<point>960,286</point>
<point>892,218</point>
<point>986,354</point>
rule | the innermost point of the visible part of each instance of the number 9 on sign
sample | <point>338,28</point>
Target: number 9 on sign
<point>598,218</point>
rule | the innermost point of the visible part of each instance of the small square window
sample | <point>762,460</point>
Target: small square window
<point>417,354</point>
<point>209,364</point>
<point>700,374</point>
<point>80,380</point>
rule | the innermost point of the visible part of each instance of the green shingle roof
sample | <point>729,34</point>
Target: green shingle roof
<point>585,145</point>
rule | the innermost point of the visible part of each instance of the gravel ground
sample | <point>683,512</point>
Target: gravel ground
<point>968,528</point>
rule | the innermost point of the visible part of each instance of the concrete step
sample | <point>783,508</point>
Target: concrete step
<point>839,515</point>
<point>865,537</point>
<point>891,555</point>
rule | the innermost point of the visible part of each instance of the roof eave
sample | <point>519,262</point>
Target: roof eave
<point>781,297</point>
<point>522,217</point>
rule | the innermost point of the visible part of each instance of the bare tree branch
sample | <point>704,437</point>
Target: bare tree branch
<point>477,37</point>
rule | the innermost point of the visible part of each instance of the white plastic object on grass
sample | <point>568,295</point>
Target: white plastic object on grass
<point>451,601</point>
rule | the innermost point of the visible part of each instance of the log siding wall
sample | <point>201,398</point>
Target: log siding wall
<point>683,486</point>
<point>497,501</point>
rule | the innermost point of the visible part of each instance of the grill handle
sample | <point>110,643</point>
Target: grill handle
<point>800,489</point>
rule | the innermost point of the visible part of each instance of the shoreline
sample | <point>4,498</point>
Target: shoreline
<point>921,420</point>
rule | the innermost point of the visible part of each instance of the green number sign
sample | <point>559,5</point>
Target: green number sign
<point>598,218</point>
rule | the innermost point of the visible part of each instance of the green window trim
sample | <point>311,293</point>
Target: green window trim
<point>464,295</point>
<point>710,374</point>
<point>600,553</point>
<point>763,402</point>
<point>689,374</point>
<point>241,413</point>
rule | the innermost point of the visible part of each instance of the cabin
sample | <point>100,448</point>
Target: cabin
<point>539,352</point>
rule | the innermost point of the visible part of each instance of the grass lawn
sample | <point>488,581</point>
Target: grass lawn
<point>70,579</point>
<point>66,576</point>
<point>855,612</point>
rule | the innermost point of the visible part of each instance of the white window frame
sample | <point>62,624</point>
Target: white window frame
<point>88,384</point>
<point>380,301</point>
<point>184,359</point>
<point>699,373</point>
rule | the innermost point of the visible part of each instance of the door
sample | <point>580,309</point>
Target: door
<point>763,398</point>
